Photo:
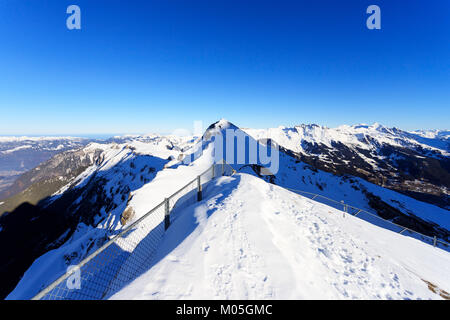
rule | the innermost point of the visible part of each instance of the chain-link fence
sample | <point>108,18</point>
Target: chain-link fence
<point>130,253</point>
<point>375,219</point>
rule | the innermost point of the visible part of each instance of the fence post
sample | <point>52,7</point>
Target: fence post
<point>223,168</point>
<point>199,189</point>
<point>343,214</point>
<point>166,214</point>
<point>434,241</point>
<point>213,173</point>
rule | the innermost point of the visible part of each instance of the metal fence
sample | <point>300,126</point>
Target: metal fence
<point>374,219</point>
<point>130,253</point>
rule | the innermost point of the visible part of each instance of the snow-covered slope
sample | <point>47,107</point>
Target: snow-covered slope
<point>135,175</point>
<point>252,240</point>
<point>433,134</point>
<point>366,137</point>
<point>387,203</point>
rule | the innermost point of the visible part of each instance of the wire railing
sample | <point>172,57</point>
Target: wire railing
<point>374,219</point>
<point>130,253</point>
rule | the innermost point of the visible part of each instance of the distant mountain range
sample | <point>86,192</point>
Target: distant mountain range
<point>414,163</point>
<point>20,154</point>
<point>74,201</point>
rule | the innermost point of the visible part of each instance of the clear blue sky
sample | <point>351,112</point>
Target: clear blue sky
<point>154,66</point>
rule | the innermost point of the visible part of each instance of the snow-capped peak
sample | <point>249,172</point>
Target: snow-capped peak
<point>222,124</point>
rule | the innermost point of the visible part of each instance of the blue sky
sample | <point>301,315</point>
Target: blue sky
<point>154,66</point>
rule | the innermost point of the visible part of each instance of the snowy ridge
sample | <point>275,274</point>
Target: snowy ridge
<point>135,175</point>
<point>357,135</point>
<point>251,240</point>
<point>40,138</point>
<point>11,145</point>
<point>20,154</point>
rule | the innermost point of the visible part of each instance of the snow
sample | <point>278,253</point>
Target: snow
<point>115,168</point>
<point>301,177</point>
<point>16,149</point>
<point>355,136</point>
<point>433,134</point>
<point>37,277</point>
<point>43,138</point>
<point>252,240</point>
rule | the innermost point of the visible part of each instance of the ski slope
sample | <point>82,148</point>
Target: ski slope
<point>252,240</point>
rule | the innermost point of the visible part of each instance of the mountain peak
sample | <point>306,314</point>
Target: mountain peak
<point>220,125</point>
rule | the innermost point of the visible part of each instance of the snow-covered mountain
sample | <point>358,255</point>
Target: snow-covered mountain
<point>101,188</point>
<point>362,136</point>
<point>78,198</point>
<point>20,154</point>
<point>433,134</point>
<point>414,163</point>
